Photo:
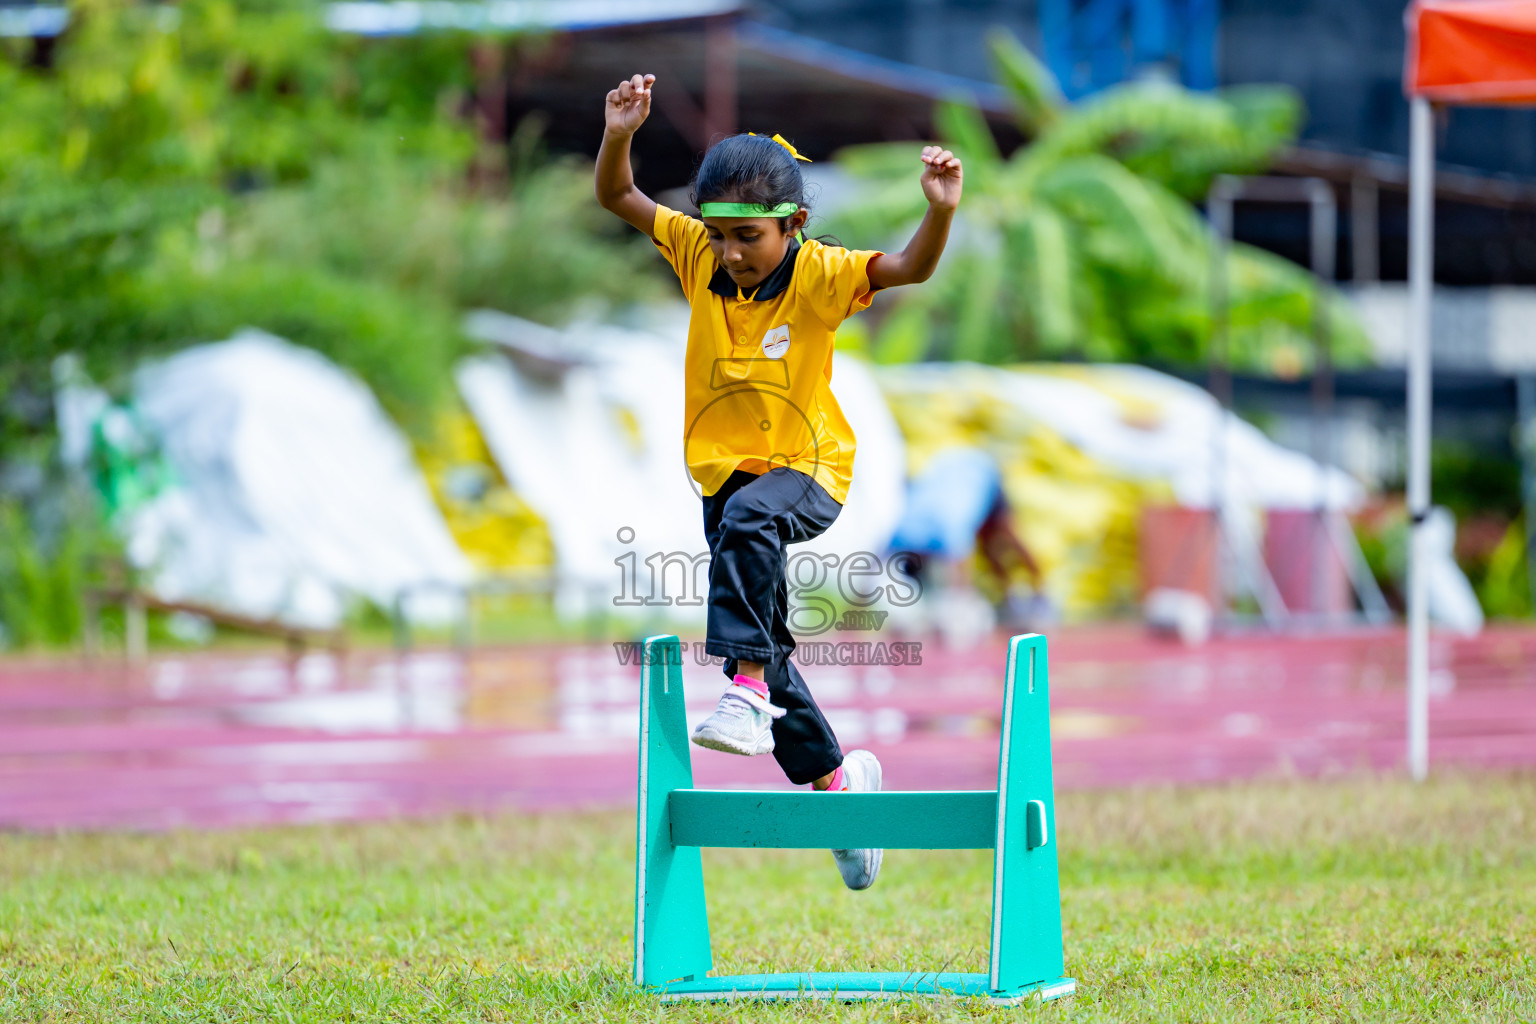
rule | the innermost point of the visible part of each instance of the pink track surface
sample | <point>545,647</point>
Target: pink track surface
<point>219,740</point>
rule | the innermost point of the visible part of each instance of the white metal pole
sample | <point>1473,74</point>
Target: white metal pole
<point>1421,270</point>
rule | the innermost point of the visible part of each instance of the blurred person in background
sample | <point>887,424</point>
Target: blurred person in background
<point>766,442</point>
<point>958,528</point>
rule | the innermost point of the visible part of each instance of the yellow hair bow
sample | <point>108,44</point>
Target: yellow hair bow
<point>781,140</point>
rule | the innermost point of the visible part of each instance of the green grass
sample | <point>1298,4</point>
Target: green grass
<point>1358,899</point>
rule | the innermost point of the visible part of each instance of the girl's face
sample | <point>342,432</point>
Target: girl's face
<point>751,248</point>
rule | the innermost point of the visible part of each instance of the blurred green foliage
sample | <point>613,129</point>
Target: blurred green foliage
<point>1504,586</point>
<point>1471,480</point>
<point>42,572</point>
<point>1481,489</point>
<point>179,172</point>
<point>171,173</point>
<point>1083,244</point>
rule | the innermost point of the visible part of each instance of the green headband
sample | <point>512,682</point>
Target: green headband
<point>747,210</point>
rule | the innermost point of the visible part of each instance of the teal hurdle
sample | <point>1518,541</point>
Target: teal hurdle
<point>1017,822</point>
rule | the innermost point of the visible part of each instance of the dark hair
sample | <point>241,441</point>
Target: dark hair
<point>748,169</point>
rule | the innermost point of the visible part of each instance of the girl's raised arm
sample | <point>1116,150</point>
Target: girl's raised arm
<point>626,110</point>
<point>941,184</point>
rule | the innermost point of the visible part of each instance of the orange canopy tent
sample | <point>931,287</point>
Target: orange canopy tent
<point>1472,51</point>
<point>1467,52</point>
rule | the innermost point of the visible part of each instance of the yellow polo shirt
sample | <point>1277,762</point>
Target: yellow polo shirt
<point>759,369</point>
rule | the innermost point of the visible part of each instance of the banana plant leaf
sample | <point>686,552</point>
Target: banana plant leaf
<point>1083,242</point>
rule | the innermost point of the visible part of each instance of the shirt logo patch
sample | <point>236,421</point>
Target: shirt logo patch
<point>776,342</point>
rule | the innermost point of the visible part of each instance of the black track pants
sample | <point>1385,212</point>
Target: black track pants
<point>749,523</point>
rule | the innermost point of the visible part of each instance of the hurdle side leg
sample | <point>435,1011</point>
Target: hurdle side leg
<point>671,926</point>
<point>1026,891</point>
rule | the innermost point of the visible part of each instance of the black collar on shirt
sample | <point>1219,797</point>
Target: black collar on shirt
<point>770,287</point>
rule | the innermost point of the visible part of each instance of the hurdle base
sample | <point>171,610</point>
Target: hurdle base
<point>849,986</point>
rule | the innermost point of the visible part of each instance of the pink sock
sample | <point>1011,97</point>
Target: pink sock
<point>837,784</point>
<point>757,686</point>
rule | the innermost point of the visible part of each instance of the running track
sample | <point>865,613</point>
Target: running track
<point>219,740</point>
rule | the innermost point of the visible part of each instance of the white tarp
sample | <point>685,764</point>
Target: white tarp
<point>1138,425</point>
<point>587,426</point>
<point>1206,454</point>
<point>1452,601</point>
<point>295,490</point>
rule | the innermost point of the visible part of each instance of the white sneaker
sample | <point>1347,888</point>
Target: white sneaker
<point>742,724</point>
<point>860,868</point>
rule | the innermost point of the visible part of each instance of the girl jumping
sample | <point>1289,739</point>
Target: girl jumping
<point>765,441</point>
